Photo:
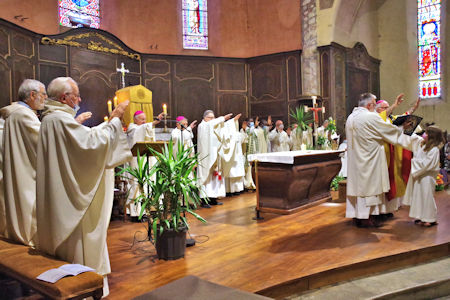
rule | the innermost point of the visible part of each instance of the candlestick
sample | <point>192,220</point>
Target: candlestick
<point>105,119</point>
<point>109,106</point>
<point>115,101</point>
<point>165,109</point>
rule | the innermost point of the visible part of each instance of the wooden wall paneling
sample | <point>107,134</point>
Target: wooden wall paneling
<point>294,76</point>
<point>358,82</point>
<point>157,76</point>
<point>53,53</point>
<point>231,76</point>
<point>233,103</point>
<point>23,68</point>
<point>23,60</point>
<point>48,72</point>
<point>339,86</point>
<point>5,68</point>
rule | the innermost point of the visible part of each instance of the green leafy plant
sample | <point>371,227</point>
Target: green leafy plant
<point>175,190</point>
<point>331,127</point>
<point>334,186</point>
<point>301,117</point>
<point>321,140</point>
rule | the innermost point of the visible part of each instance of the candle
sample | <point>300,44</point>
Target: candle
<point>323,109</point>
<point>314,100</point>
<point>165,109</point>
<point>115,101</point>
<point>109,106</point>
<point>105,119</point>
<point>306,108</point>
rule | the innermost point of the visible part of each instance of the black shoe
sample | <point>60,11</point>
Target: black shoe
<point>216,203</point>
<point>205,205</point>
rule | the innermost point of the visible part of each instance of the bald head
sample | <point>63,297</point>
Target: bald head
<point>279,125</point>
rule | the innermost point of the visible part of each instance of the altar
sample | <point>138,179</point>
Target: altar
<point>291,181</point>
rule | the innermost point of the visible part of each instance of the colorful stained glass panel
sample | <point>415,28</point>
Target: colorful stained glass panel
<point>195,24</point>
<point>429,50</point>
<point>79,13</point>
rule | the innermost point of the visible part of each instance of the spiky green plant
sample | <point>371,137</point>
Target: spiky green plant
<point>162,199</point>
<point>301,117</point>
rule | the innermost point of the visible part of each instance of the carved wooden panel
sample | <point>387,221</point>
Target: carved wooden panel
<point>294,77</point>
<point>5,83</point>
<point>54,53</point>
<point>4,43</point>
<point>232,103</point>
<point>95,90</point>
<point>157,67</point>
<point>192,97</point>
<point>48,72</point>
<point>325,74</point>
<point>267,82</point>
<point>22,45</point>
<point>161,89</point>
<point>23,69</point>
<point>231,76</point>
<point>358,82</point>
<point>274,108</point>
<point>200,69</point>
<point>84,61</point>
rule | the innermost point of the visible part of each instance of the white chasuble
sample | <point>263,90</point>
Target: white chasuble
<point>209,171</point>
<point>280,141</point>
<point>262,135</point>
<point>20,138</point>
<point>74,199</point>
<point>135,134</point>
<point>422,181</point>
<point>232,156</point>
<point>2,198</point>
<point>183,137</point>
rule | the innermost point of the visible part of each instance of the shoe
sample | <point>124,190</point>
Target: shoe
<point>205,205</point>
<point>390,215</point>
<point>429,224</point>
<point>216,203</point>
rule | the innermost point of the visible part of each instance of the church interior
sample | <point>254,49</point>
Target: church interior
<point>255,58</point>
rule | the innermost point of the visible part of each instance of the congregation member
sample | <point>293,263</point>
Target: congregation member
<point>139,131</point>
<point>74,173</point>
<point>183,135</point>
<point>214,151</point>
<point>425,167</point>
<point>367,174</point>
<point>280,140</point>
<point>20,138</point>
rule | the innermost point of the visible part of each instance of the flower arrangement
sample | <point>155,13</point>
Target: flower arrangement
<point>331,125</point>
<point>439,182</point>
<point>334,186</point>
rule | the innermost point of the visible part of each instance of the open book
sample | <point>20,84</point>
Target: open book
<point>53,275</point>
<point>415,121</point>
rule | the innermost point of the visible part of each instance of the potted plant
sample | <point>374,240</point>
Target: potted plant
<point>302,119</point>
<point>168,198</point>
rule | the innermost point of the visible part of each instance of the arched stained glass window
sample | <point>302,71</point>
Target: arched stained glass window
<point>195,24</point>
<point>79,13</point>
<point>429,48</point>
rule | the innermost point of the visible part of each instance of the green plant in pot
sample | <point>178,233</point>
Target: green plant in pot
<point>302,119</point>
<point>166,199</point>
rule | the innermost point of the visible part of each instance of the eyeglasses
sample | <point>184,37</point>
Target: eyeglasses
<point>76,95</point>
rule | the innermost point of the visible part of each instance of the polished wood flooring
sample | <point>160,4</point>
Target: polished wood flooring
<point>279,255</point>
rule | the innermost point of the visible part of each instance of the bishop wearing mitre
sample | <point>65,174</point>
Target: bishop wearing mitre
<point>74,194</point>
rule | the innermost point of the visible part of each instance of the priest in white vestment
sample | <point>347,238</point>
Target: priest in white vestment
<point>233,158</point>
<point>367,174</point>
<point>139,131</point>
<point>2,198</point>
<point>183,135</point>
<point>74,191</point>
<point>211,145</point>
<point>250,144</point>
<point>20,137</point>
<point>280,140</point>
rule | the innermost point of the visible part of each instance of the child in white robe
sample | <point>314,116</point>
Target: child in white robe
<point>422,179</point>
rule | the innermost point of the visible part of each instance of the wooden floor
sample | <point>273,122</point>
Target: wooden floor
<point>278,255</point>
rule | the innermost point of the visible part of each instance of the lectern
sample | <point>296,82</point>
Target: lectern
<point>142,148</point>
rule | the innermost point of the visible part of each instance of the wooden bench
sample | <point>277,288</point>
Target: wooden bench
<point>24,264</point>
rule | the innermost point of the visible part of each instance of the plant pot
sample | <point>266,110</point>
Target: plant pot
<point>171,244</point>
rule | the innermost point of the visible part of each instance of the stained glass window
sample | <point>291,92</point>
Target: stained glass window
<point>429,48</point>
<point>195,24</point>
<point>79,13</point>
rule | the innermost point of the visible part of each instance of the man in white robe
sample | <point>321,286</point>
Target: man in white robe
<point>280,140</point>
<point>234,160</point>
<point>211,146</point>
<point>367,174</point>
<point>20,137</point>
<point>74,176</point>
<point>250,144</point>
<point>139,131</point>
<point>2,198</point>
<point>183,135</point>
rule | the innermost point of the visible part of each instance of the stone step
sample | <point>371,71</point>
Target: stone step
<point>425,281</point>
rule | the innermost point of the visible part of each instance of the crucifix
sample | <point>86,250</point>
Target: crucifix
<point>122,70</point>
<point>316,111</point>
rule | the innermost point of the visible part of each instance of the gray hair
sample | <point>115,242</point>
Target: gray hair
<point>27,86</point>
<point>207,112</point>
<point>365,99</point>
<point>60,86</point>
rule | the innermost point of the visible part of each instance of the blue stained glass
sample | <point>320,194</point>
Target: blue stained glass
<point>195,24</point>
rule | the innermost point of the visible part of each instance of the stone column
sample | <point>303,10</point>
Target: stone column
<point>310,61</point>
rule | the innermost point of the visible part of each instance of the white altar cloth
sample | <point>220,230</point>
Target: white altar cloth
<point>286,157</point>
